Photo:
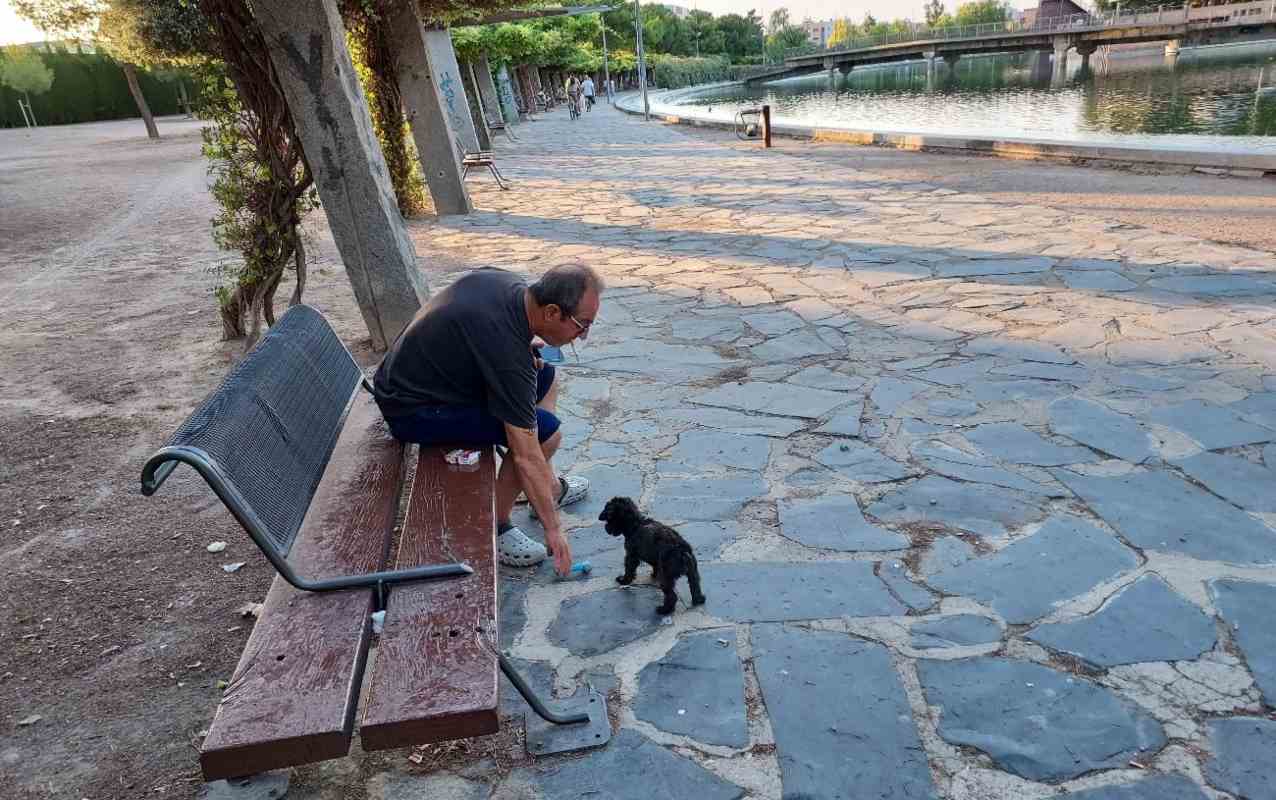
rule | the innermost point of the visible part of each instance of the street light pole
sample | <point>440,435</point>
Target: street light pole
<point>642,61</point>
<point>606,71</point>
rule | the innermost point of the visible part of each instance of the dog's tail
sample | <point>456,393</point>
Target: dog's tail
<point>691,568</point>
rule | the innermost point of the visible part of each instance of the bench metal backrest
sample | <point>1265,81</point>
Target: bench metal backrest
<point>263,439</point>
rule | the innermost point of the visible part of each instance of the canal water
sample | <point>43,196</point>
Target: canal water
<point>1221,98</point>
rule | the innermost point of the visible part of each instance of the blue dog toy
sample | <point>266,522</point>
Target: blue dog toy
<point>579,568</point>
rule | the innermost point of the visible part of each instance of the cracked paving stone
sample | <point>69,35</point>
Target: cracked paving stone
<point>601,621</point>
<point>1100,428</point>
<point>825,378</point>
<point>1242,762</point>
<point>1026,579</point>
<point>703,498</point>
<point>775,323</point>
<point>1037,722</point>
<point>958,269</point>
<point>630,767</point>
<point>1022,349</point>
<point>1098,280</point>
<point>780,399</point>
<point>962,374</point>
<point>1243,482</point>
<point>843,726</point>
<point>834,523</point>
<point>697,450</point>
<point>1170,628</point>
<point>540,674</point>
<point>1164,352</point>
<point>697,690</point>
<point>1260,407</point>
<point>656,359</point>
<point>983,510</point>
<point>944,553</point>
<point>891,393</point>
<point>1157,787</point>
<point>389,786</point>
<point>863,463</point>
<point>1249,608</point>
<point>1017,391</point>
<point>1213,427</point>
<point>961,630</point>
<point>953,463</point>
<point>1008,441</point>
<point>844,423</point>
<point>513,611</point>
<point>875,275</point>
<point>1213,285</point>
<point>710,329</point>
<point>911,594</point>
<point>1157,511</point>
<point>779,592</point>
<point>735,422</point>
<point>707,538</point>
<point>791,346</point>
<point>605,482</point>
<point>1076,375</point>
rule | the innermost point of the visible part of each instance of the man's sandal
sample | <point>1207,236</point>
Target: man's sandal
<point>573,489</point>
<point>517,550</point>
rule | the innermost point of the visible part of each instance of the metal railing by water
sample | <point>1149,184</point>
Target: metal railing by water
<point>1231,15</point>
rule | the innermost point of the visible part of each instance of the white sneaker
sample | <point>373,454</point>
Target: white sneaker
<point>573,489</point>
<point>516,550</point>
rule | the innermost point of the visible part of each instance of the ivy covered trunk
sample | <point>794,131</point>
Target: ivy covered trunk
<point>367,39</point>
<point>262,182</point>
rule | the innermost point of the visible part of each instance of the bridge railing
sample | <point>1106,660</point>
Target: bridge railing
<point>1208,16</point>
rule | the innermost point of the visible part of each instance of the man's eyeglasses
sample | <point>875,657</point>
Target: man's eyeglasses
<point>584,328</point>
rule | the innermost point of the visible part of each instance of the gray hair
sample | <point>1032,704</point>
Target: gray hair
<point>565,285</point>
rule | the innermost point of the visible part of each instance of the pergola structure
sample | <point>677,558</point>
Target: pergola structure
<point>308,52</point>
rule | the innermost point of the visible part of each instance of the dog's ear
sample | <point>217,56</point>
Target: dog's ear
<point>624,512</point>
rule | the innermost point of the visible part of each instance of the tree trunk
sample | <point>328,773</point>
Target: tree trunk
<point>130,74</point>
<point>300,286</point>
<point>184,98</point>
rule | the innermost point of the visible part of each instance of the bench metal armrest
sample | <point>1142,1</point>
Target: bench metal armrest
<point>159,466</point>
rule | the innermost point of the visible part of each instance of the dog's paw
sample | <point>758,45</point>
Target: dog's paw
<point>665,611</point>
<point>624,580</point>
<point>698,600</point>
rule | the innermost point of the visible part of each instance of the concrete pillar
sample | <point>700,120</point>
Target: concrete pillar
<point>426,110</point>
<point>1172,48</point>
<point>1085,50</point>
<point>472,104</point>
<point>1059,65</point>
<point>447,74</point>
<point>505,89</point>
<point>487,89</point>
<point>308,51</point>
<point>951,60</point>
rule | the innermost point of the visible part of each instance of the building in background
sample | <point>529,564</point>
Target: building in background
<point>818,33</point>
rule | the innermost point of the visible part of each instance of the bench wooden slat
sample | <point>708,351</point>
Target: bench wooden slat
<point>435,672</point>
<point>294,694</point>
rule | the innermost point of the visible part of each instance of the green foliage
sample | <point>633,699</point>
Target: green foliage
<point>934,10</point>
<point>24,72</point>
<point>980,12</point>
<point>675,72</point>
<point>843,32</point>
<point>786,41</point>
<point>89,88</point>
<point>742,36</point>
<point>778,21</point>
<point>70,17</point>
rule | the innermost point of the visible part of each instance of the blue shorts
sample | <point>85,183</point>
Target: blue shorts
<point>470,425</point>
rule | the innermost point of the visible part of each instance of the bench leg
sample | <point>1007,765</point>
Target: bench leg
<point>497,174</point>
<point>579,724</point>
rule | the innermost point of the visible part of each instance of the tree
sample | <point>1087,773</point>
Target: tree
<point>980,12</point>
<point>23,71</point>
<point>742,36</point>
<point>843,32</point>
<point>934,12</point>
<point>779,21</point>
<point>784,41</point>
<point>869,24</point>
<point>81,17</point>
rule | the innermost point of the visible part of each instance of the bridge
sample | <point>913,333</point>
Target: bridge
<point>1082,32</point>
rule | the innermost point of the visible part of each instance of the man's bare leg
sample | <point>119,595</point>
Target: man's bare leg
<point>508,483</point>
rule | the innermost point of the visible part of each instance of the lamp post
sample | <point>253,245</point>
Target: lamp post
<point>606,72</point>
<point>642,61</point>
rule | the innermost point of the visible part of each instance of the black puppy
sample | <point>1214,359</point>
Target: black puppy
<point>656,544</point>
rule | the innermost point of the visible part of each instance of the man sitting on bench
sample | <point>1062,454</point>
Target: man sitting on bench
<point>466,371</point>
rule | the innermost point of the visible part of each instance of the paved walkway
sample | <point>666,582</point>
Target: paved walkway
<point>982,493</point>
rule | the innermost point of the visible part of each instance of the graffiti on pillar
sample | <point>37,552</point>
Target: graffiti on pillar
<point>448,85</point>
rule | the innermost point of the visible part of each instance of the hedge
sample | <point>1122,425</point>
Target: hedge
<point>88,88</point>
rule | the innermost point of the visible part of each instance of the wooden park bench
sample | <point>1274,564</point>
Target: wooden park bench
<point>479,158</point>
<point>294,445</point>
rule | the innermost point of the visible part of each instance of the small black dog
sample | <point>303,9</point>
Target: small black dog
<point>656,544</point>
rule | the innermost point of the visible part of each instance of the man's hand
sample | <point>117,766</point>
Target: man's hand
<point>562,552</point>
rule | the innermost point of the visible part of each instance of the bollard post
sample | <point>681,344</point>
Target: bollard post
<point>766,126</point>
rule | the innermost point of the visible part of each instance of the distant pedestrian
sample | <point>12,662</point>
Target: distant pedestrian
<point>573,96</point>
<point>588,89</point>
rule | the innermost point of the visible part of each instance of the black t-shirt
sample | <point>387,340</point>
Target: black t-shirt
<point>469,346</point>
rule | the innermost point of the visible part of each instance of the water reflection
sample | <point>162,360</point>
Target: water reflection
<point>1131,99</point>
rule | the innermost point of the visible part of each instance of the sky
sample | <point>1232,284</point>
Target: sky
<point>14,29</point>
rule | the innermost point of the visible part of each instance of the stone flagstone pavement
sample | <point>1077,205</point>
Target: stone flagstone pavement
<point>982,493</point>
